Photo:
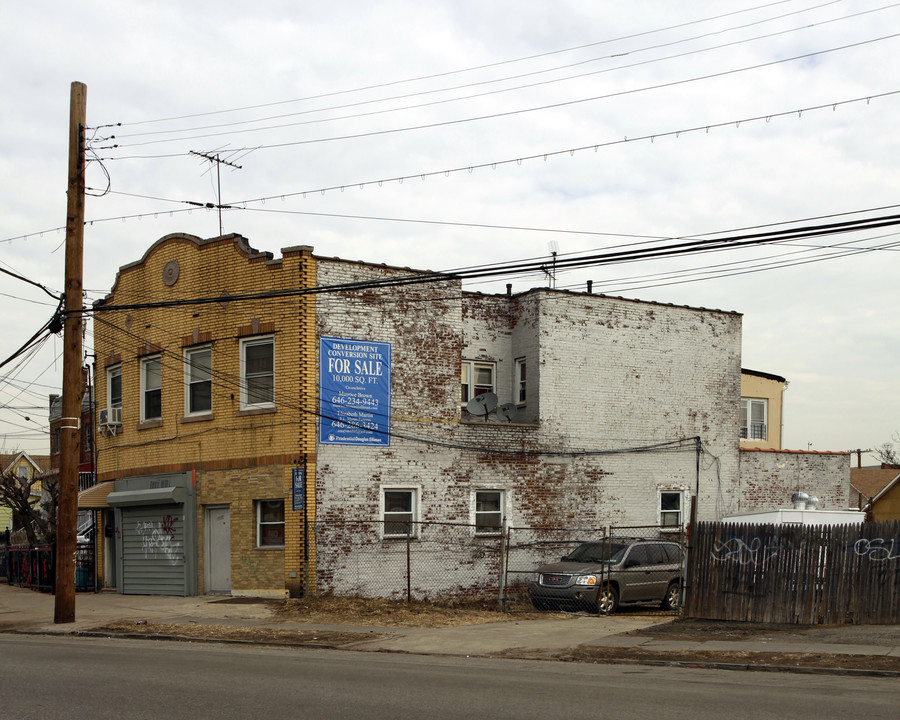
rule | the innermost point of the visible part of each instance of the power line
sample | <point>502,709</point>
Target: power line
<point>510,113</point>
<point>30,282</point>
<point>456,72</point>
<point>361,103</point>
<point>706,127</point>
<point>563,262</point>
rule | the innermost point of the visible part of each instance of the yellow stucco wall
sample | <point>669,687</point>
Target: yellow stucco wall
<point>753,386</point>
<point>237,456</point>
<point>888,505</point>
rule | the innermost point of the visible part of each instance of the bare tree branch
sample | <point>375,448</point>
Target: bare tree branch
<point>33,503</point>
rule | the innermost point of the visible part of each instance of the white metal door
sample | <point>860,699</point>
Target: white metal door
<point>218,549</point>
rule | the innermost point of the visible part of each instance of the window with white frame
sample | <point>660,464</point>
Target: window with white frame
<point>270,523</point>
<point>198,381</point>
<point>753,418</point>
<point>22,472</point>
<point>399,513</point>
<point>671,506</point>
<point>477,378</point>
<point>258,373</point>
<point>151,388</point>
<point>519,389</point>
<point>114,388</point>
<point>488,512</point>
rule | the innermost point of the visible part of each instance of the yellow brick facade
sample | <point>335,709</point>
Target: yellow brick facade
<point>236,456</point>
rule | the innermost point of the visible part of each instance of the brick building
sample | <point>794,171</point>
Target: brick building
<point>203,417</point>
<point>232,423</point>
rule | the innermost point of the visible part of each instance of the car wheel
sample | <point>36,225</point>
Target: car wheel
<point>607,600</point>
<point>672,598</point>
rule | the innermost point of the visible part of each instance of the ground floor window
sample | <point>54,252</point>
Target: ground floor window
<point>670,508</point>
<point>488,512</point>
<point>399,512</point>
<point>270,523</point>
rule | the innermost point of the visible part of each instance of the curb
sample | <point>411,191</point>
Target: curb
<point>690,665</point>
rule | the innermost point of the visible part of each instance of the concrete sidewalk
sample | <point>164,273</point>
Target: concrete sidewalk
<point>23,610</point>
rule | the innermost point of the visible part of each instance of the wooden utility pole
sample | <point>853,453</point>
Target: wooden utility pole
<point>70,429</point>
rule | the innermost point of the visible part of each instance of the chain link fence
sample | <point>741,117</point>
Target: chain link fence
<point>454,562</point>
<point>407,560</point>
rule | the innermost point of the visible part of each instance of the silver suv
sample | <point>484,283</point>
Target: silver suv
<point>597,576</point>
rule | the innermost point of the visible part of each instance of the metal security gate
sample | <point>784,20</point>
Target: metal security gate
<point>153,552</point>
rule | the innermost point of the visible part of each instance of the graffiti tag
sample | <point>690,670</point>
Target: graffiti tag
<point>158,540</point>
<point>878,549</point>
<point>742,552</point>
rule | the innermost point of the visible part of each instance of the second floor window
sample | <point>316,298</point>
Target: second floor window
<point>151,389</point>
<point>753,419</point>
<point>114,387</point>
<point>198,383</point>
<point>477,378</point>
<point>520,382</point>
<point>258,373</point>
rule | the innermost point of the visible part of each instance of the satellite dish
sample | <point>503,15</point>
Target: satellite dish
<point>482,404</point>
<point>507,411</point>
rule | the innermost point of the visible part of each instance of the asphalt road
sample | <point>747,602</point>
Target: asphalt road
<point>66,677</point>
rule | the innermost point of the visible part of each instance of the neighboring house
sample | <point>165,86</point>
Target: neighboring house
<point>86,478</point>
<point>876,490</point>
<point>231,425</point>
<point>769,475</point>
<point>25,467</point>
<point>886,504</point>
<point>86,434</point>
<point>762,400</point>
<point>867,482</point>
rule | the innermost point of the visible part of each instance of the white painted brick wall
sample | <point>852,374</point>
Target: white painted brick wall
<point>604,374</point>
<point>769,478</point>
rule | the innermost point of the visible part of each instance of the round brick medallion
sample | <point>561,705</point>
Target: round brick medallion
<point>170,273</point>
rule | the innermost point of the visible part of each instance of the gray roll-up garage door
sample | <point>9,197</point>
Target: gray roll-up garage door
<point>153,553</point>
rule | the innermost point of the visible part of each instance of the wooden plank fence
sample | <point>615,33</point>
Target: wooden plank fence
<point>794,574</point>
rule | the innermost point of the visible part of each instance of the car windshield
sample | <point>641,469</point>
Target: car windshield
<point>597,552</point>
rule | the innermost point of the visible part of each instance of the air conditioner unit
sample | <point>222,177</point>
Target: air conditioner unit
<point>115,416</point>
<point>104,414</point>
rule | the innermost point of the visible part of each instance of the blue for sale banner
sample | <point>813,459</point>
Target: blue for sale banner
<point>354,392</point>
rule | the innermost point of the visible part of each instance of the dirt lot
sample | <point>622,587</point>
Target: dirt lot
<point>399,615</point>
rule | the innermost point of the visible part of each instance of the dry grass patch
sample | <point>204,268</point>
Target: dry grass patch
<point>331,610</point>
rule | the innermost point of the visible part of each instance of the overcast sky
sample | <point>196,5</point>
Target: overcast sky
<point>516,127</point>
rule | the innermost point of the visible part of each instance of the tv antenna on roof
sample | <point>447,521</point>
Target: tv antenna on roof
<point>218,162</point>
<point>551,270</point>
